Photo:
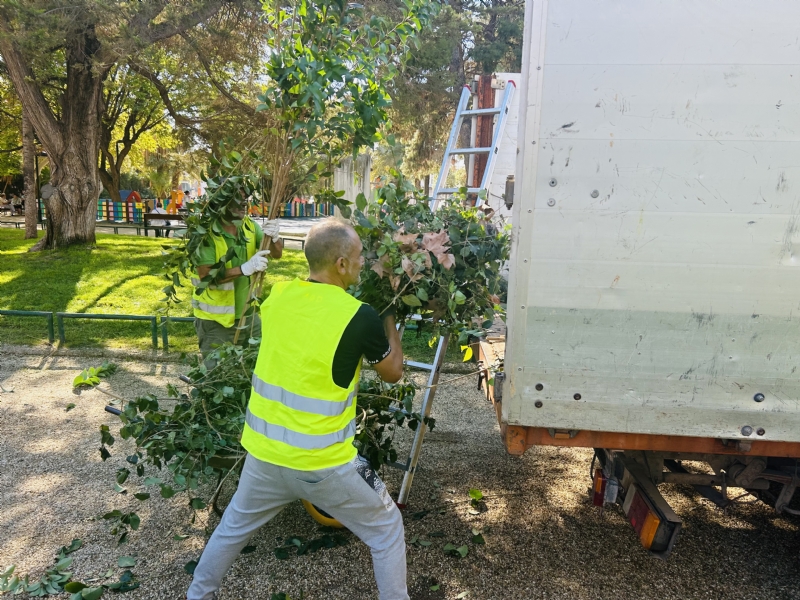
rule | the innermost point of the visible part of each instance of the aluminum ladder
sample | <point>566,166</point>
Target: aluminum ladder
<point>461,113</point>
<point>410,465</point>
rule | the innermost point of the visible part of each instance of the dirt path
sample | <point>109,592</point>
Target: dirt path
<point>543,539</point>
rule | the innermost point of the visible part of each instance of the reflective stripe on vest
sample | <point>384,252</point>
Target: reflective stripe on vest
<point>214,310</point>
<point>220,286</point>
<point>218,302</point>
<point>306,441</point>
<point>325,408</point>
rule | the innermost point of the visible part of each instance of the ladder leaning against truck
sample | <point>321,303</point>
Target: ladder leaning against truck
<point>654,283</point>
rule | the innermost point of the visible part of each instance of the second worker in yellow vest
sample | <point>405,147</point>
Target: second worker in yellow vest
<point>300,420</point>
<point>218,308</point>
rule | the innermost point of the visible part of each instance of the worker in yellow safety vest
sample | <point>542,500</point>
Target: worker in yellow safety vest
<point>300,420</point>
<point>217,308</point>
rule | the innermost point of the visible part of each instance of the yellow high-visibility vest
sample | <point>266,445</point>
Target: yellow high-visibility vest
<point>297,416</point>
<point>218,302</point>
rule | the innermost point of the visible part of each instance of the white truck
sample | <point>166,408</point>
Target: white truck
<point>654,288</point>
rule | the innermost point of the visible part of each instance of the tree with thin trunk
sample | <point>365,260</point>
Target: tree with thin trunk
<point>132,108</point>
<point>29,176</point>
<point>86,38</point>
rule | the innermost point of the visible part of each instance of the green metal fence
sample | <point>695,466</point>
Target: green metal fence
<point>59,317</point>
<point>34,313</point>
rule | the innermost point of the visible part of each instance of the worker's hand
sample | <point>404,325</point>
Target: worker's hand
<point>256,264</point>
<point>272,229</point>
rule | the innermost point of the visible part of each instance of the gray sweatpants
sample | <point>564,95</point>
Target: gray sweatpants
<point>265,489</point>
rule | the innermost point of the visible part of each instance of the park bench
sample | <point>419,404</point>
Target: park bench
<point>116,226</point>
<point>148,217</point>
<point>295,238</point>
<point>20,224</point>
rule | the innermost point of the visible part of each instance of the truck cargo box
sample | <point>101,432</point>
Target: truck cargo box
<point>654,291</point>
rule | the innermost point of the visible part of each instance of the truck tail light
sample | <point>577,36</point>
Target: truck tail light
<point>598,488</point>
<point>651,517</point>
<point>642,517</point>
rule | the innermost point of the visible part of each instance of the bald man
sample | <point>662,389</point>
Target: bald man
<point>300,419</point>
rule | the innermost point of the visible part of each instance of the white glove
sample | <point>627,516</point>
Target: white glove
<point>256,264</point>
<point>272,229</point>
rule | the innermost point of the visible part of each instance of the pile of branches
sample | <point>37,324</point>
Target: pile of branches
<point>444,264</point>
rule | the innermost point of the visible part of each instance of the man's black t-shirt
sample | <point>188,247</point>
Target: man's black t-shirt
<point>363,336</point>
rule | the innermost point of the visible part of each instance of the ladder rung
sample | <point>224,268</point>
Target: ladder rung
<point>397,465</point>
<point>472,190</point>
<point>486,150</point>
<point>481,111</point>
<point>419,365</point>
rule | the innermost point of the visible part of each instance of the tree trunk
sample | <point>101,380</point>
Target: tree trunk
<point>29,176</point>
<point>72,208</point>
<point>110,178</point>
<point>72,142</point>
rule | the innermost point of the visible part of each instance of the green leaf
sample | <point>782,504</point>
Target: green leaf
<point>422,295</point>
<point>475,494</point>
<point>478,539</point>
<point>126,561</point>
<point>122,475</point>
<point>190,566</point>
<point>178,537</point>
<point>119,489</point>
<point>361,202</point>
<point>197,503</point>
<point>73,546</point>
<point>141,496</point>
<point>74,586</point>
<point>167,491</point>
<point>105,436</point>
<point>411,300</point>
<point>70,406</point>
<point>92,593</point>
<point>152,481</point>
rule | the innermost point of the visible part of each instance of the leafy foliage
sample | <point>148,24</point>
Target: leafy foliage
<point>329,539</point>
<point>329,76</point>
<point>325,97</point>
<point>382,409</point>
<point>197,438</point>
<point>91,376</point>
<point>444,264</point>
<point>55,580</point>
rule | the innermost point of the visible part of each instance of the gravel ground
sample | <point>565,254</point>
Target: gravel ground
<point>543,538</point>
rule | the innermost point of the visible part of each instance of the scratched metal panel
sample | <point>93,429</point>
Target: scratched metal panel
<point>653,32</point>
<point>657,237</point>
<point>672,102</point>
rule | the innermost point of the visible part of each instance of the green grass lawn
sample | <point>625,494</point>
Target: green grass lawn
<point>121,275</point>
